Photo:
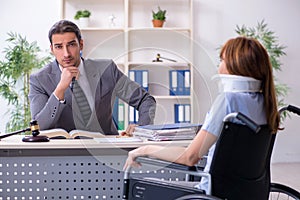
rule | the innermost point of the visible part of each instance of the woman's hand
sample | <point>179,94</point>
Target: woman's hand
<point>131,158</point>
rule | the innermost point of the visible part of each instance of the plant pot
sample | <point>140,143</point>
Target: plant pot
<point>84,22</point>
<point>157,23</point>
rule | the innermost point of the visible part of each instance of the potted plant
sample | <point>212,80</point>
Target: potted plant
<point>83,16</point>
<point>20,59</point>
<point>159,17</point>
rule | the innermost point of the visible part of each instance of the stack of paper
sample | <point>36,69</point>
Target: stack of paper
<point>118,139</point>
<point>177,131</point>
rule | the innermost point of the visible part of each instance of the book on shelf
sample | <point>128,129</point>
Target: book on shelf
<point>59,133</point>
<point>139,76</point>
<point>121,114</point>
<point>133,115</point>
<point>118,114</point>
<point>182,113</point>
<point>162,132</point>
<point>179,81</point>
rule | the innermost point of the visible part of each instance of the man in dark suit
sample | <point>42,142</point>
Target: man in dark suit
<point>52,101</point>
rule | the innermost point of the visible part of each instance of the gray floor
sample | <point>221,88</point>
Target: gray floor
<point>286,173</point>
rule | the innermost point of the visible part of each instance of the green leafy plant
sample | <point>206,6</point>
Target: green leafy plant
<point>21,57</point>
<point>160,14</point>
<point>81,14</point>
<point>274,49</point>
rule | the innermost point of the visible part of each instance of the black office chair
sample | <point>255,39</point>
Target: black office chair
<point>240,168</point>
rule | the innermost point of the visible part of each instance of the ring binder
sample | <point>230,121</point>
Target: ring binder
<point>180,82</point>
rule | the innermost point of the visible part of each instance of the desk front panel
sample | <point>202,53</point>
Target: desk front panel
<point>66,173</point>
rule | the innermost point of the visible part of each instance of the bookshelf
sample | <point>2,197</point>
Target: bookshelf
<point>133,44</point>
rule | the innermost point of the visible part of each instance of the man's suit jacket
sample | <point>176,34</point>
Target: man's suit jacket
<point>106,82</point>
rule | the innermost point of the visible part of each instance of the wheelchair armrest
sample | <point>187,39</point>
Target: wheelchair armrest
<point>188,170</point>
<point>163,163</point>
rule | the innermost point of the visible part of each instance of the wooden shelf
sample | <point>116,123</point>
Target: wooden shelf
<point>133,43</point>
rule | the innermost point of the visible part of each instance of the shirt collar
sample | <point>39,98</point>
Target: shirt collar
<point>234,83</point>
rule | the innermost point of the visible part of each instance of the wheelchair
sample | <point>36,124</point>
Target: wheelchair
<point>240,169</point>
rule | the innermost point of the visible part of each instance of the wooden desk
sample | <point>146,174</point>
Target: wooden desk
<point>66,168</point>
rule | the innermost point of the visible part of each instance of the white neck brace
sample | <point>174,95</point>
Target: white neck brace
<point>234,83</point>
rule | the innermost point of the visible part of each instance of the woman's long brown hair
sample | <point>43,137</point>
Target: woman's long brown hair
<point>247,57</point>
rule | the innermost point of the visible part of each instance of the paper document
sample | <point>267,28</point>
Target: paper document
<point>118,139</point>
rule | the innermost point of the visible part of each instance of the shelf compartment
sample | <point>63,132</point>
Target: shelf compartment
<point>158,77</point>
<point>178,13</point>
<point>178,29</point>
<point>165,110</point>
<point>100,12</point>
<point>143,45</point>
<point>108,44</point>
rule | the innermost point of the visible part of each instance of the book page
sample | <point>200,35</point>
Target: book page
<point>55,133</point>
<point>85,134</point>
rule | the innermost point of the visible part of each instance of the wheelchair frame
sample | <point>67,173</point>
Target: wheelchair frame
<point>192,171</point>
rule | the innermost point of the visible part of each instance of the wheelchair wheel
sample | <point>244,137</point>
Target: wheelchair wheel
<point>197,197</point>
<point>282,192</point>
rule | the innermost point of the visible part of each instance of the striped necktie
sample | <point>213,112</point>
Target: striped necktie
<point>82,102</point>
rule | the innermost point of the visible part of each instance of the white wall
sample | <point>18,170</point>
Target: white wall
<point>214,22</point>
<point>32,19</point>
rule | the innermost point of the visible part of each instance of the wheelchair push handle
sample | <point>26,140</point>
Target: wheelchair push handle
<point>251,124</point>
<point>240,116</point>
<point>291,108</point>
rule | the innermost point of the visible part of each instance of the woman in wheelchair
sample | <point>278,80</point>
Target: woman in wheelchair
<point>246,85</point>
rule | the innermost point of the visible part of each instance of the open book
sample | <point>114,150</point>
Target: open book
<point>60,133</point>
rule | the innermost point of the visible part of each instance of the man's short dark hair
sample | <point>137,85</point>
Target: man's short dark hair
<point>64,26</point>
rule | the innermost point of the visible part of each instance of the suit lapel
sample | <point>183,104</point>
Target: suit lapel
<point>93,76</point>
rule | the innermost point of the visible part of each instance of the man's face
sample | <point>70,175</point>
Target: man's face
<point>66,49</point>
